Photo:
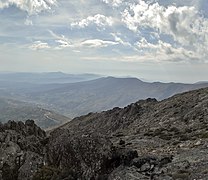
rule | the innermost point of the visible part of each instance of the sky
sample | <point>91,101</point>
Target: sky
<point>155,40</point>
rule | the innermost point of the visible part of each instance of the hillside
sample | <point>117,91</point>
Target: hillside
<point>175,130</point>
<point>76,99</point>
<point>17,110</point>
<point>188,110</point>
<point>149,139</point>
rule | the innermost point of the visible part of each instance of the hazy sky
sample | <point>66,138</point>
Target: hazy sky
<point>164,40</point>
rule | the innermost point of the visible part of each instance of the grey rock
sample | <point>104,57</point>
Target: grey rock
<point>20,150</point>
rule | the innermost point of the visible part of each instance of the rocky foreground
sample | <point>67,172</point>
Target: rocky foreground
<point>21,150</point>
<point>166,140</point>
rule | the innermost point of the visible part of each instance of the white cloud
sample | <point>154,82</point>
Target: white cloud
<point>90,43</point>
<point>97,43</point>
<point>143,44</point>
<point>30,6</point>
<point>28,22</point>
<point>63,43</point>
<point>99,20</point>
<point>162,51</point>
<point>118,39</point>
<point>38,45</point>
<point>135,29</point>
<point>114,3</point>
<point>184,24</point>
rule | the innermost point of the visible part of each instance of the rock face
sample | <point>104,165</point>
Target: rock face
<point>85,156</point>
<point>164,140</point>
<point>21,150</point>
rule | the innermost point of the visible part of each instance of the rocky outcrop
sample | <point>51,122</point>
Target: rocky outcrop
<point>21,150</point>
<point>83,157</point>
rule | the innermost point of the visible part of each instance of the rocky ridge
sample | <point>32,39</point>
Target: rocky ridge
<point>175,128</point>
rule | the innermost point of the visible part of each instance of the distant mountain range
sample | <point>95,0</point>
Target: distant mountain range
<point>46,78</point>
<point>87,93</point>
<point>75,99</point>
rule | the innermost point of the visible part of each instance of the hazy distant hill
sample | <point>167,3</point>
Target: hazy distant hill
<point>86,94</point>
<point>18,85</point>
<point>16,110</point>
<point>101,94</point>
<point>46,78</point>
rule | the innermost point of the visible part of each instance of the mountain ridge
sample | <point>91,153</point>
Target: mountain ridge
<point>148,139</point>
<point>76,99</point>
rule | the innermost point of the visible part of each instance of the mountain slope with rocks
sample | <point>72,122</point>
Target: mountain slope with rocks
<point>149,139</point>
<point>176,127</point>
<point>11,109</point>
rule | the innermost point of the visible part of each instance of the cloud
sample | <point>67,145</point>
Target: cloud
<point>38,45</point>
<point>184,24</point>
<point>164,51</point>
<point>30,6</point>
<point>99,20</point>
<point>97,43</point>
<point>90,43</point>
<point>63,43</point>
<point>137,30</point>
<point>28,22</point>
<point>114,3</point>
<point>118,39</point>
